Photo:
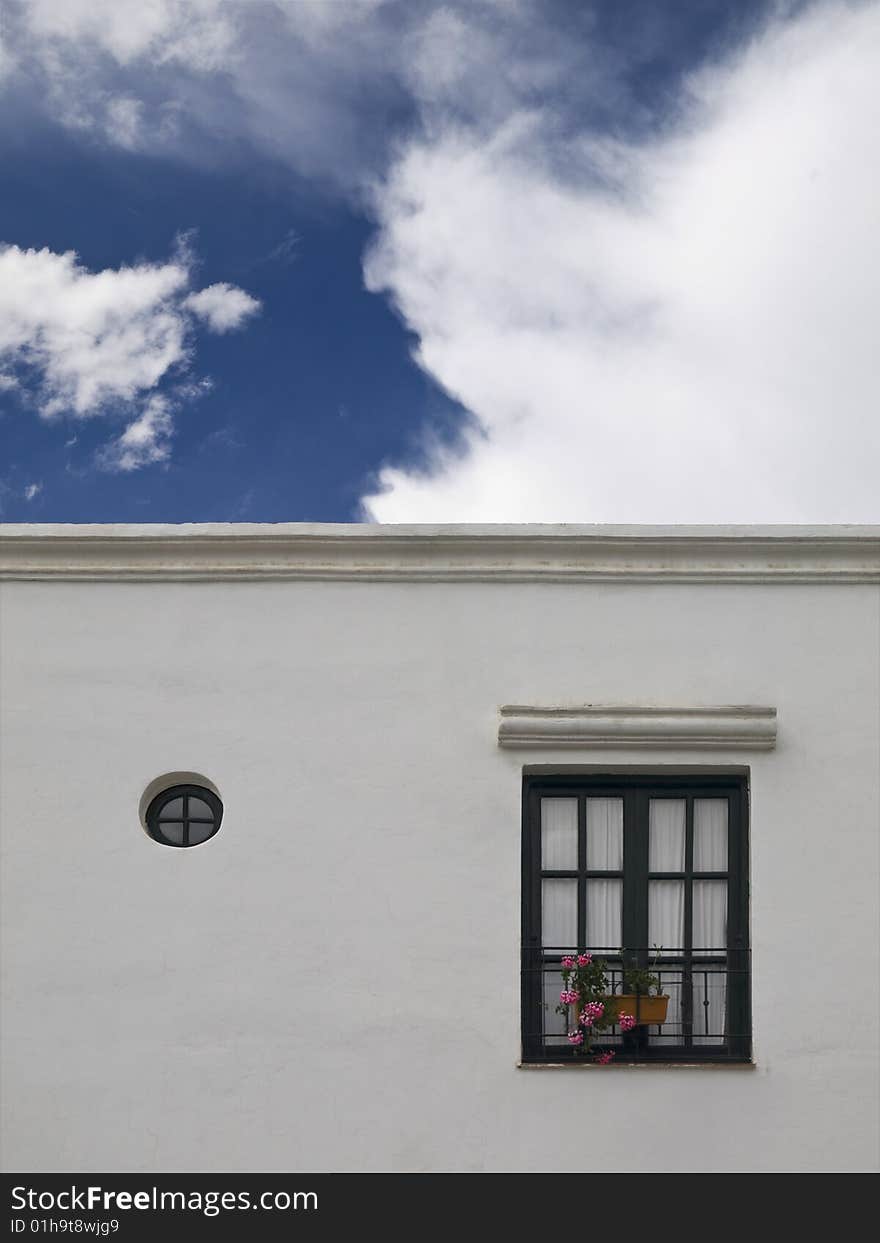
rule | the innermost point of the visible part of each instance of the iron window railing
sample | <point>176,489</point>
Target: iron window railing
<point>706,1015</point>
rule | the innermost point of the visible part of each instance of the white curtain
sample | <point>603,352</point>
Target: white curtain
<point>666,834</point>
<point>710,834</point>
<point>559,834</point>
<point>709,1006</point>
<point>667,818</point>
<point>605,834</point>
<point>666,916</point>
<point>710,917</point>
<point>559,849</point>
<point>559,913</point>
<point>604,915</point>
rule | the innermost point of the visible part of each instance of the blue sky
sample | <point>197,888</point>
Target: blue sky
<point>304,404</point>
<point>497,261</point>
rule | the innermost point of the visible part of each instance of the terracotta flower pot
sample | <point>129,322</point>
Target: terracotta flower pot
<point>645,1010</point>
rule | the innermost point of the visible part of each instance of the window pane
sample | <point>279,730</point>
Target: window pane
<point>171,832</point>
<point>604,915</point>
<point>199,832</point>
<point>709,1007</point>
<point>559,913</point>
<point>200,809</point>
<point>605,834</point>
<point>710,834</point>
<point>710,916</point>
<point>173,810</point>
<point>556,1026</point>
<point>666,825</point>
<point>666,915</point>
<point>559,834</point>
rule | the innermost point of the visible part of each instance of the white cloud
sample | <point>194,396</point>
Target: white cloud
<point>299,79</point>
<point>92,337</point>
<point>146,439</point>
<point>676,328</point>
<point>223,307</point>
<point>32,490</point>
<point>103,343</point>
<point>679,330</point>
<point>7,62</point>
<point>123,121</point>
<point>197,32</point>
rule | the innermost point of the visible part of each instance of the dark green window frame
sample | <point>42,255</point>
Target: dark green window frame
<point>636,793</point>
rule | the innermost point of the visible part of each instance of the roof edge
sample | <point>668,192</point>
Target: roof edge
<point>429,553</point>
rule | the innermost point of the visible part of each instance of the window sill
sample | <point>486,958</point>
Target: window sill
<point>637,1066</point>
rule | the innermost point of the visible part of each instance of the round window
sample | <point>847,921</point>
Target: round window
<point>184,816</point>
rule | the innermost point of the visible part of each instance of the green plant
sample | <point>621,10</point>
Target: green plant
<point>585,996</point>
<point>585,993</point>
<point>641,979</point>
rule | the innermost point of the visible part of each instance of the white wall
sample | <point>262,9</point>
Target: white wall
<point>332,982</point>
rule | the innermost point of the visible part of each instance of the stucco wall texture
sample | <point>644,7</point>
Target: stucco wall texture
<point>332,982</point>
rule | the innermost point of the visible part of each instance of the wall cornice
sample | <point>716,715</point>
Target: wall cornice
<point>517,553</point>
<point>733,728</point>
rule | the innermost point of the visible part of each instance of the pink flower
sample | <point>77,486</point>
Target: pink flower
<point>568,961</point>
<point>585,1019</point>
<point>602,1059</point>
<point>584,960</point>
<point>568,997</point>
<point>575,1037</point>
<point>595,1009</point>
<point>626,1022</point>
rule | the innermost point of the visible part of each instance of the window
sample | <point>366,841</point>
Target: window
<point>641,872</point>
<point>184,816</point>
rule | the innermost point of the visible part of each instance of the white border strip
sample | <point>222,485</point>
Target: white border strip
<point>735,728</point>
<point>558,554</point>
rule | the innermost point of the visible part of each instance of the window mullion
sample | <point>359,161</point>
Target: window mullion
<point>687,989</point>
<point>635,892</point>
<point>635,870</point>
<point>737,923</point>
<point>533,954</point>
<point>582,873</point>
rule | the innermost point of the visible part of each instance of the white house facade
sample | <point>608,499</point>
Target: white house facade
<point>301,825</point>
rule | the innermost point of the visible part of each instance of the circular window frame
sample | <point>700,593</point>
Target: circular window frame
<point>185,791</point>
